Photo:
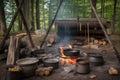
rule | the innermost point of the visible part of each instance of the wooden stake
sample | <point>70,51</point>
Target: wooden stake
<point>88,32</point>
<point>80,27</point>
<point>50,26</point>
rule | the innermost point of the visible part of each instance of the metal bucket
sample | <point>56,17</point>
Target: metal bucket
<point>96,59</point>
<point>13,75</point>
<point>82,66</point>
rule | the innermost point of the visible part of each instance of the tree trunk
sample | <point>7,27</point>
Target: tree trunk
<point>114,16</point>
<point>44,26</point>
<point>37,14</point>
<point>19,23</point>
<point>49,21</point>
<point>26,10</point>
<point>32,15</point>
<point>2,17</point>
<point>102,8</point>
<point>94,2</point>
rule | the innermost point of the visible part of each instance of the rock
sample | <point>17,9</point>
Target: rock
<point>92,76</point>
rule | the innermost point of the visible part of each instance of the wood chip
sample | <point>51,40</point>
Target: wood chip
<point>92,76</point>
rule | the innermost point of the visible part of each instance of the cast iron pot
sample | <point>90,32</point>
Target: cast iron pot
<point>38,51</point>
<point>51,62</point>
<point>28,66</point>
<point>13,75</point>
<point>73,53</point>
<point>96,59</point>
<point>82,65</point>
<point>70,52</point>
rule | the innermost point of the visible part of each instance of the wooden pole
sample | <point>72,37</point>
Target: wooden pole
<point>25,24</point>
<point>88,33</point>
<point>50,26</point>
<point>9,28</point>
<point>103,28</point>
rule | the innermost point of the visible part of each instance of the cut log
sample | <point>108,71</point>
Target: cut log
<point>11,51</point>
<point>17,46</point>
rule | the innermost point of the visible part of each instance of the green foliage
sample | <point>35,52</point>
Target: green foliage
<point>69,9</point>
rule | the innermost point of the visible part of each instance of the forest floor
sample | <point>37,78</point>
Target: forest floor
<point>114,38</point>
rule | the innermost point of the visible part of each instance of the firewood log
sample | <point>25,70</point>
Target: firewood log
<point>113,71</point>
<point>96,41</point>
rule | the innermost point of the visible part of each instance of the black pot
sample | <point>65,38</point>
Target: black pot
<point>51,62</point>
<point>13,75</point>
<point>82,65</point>
<point>70,52</point>
<point>96,59</point>
<point>38,52</point>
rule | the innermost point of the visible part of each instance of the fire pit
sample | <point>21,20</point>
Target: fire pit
<point>68,55</point>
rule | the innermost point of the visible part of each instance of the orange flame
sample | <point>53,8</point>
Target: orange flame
<point>70,46</point>
<point>65,59</point>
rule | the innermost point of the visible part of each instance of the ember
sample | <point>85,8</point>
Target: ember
<point>66,59</point>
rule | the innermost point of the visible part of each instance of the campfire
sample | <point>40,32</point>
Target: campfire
<point>66,57</point>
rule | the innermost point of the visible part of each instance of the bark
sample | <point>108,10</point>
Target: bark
<point>102,8</point>
<point>94,2</point>
<point>2,17</point>
<point>114,15</point>
<point>49,13</point>
<point>26,10</point>
<point>43,14</point>
<point>19,23</point>
<point>37,14</point>
<point>32,15</point>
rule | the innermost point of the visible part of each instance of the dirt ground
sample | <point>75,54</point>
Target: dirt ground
<point>116,41</point>
<point>114,38</point>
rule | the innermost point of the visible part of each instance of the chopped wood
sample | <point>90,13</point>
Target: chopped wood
<point>17,46</point>
<point>100,42</point>
<point>51,40</point>
<point>11,51</point>
<point>96,41</point>
<point>92,76</point>
<point>44,71</point>
<point>21,34</point>
<point>113,71</point>
<point>80,27</point>
<point>104,43</point>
